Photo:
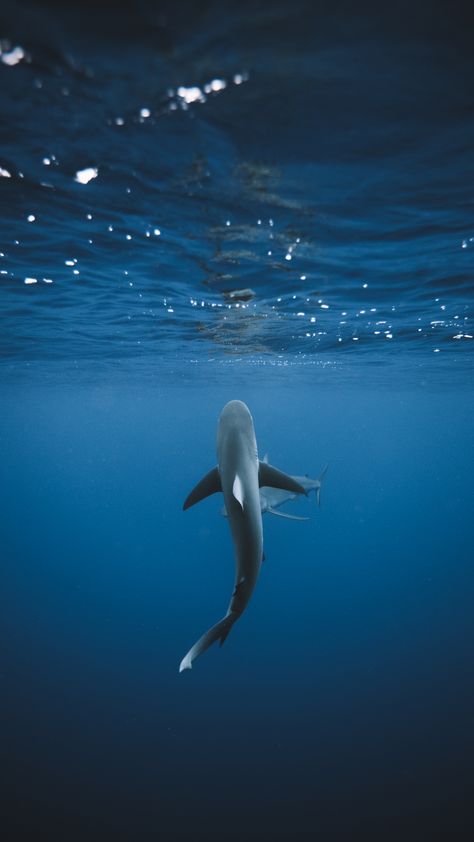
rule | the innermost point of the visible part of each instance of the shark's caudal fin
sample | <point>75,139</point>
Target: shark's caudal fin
<point>320,480</point>
<point>217,632</point>
<point>273,478</point>
<point>208,485</point>
<point>284,514</point>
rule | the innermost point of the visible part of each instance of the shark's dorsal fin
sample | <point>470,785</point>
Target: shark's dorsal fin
<point>208,485</point>
<point>238,491</point>
<point>273,478</point>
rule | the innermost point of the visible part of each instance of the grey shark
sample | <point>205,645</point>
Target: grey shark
<point>239,475</point>
<point>272,498</point>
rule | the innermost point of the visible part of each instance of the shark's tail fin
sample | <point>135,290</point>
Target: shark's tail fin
<point>217,632</point>
<point>320,480</point>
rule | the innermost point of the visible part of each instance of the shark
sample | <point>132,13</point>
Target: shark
<point>239,475</point>
<point>272,498</point>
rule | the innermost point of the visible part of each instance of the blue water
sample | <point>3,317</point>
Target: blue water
<point>270,202</point>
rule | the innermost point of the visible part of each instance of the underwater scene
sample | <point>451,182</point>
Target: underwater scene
<point>236,420</point>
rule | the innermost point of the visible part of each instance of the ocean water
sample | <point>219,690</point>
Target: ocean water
<point>269,202</point>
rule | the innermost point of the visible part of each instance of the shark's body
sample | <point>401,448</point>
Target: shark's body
<point>238,474</point>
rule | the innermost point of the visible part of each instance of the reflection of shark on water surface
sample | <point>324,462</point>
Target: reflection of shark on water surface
<point>238,474</point>
<point>272,498</point>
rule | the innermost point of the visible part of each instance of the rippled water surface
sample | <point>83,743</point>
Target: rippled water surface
<point>284,183</point>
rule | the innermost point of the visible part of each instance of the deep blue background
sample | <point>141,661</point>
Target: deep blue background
<point>341,704</point>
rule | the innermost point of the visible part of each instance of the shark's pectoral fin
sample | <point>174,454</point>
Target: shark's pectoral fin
<point>284,514</point>
<point>238,491</point>
<point>208,485</point>
<point>273,478</point>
